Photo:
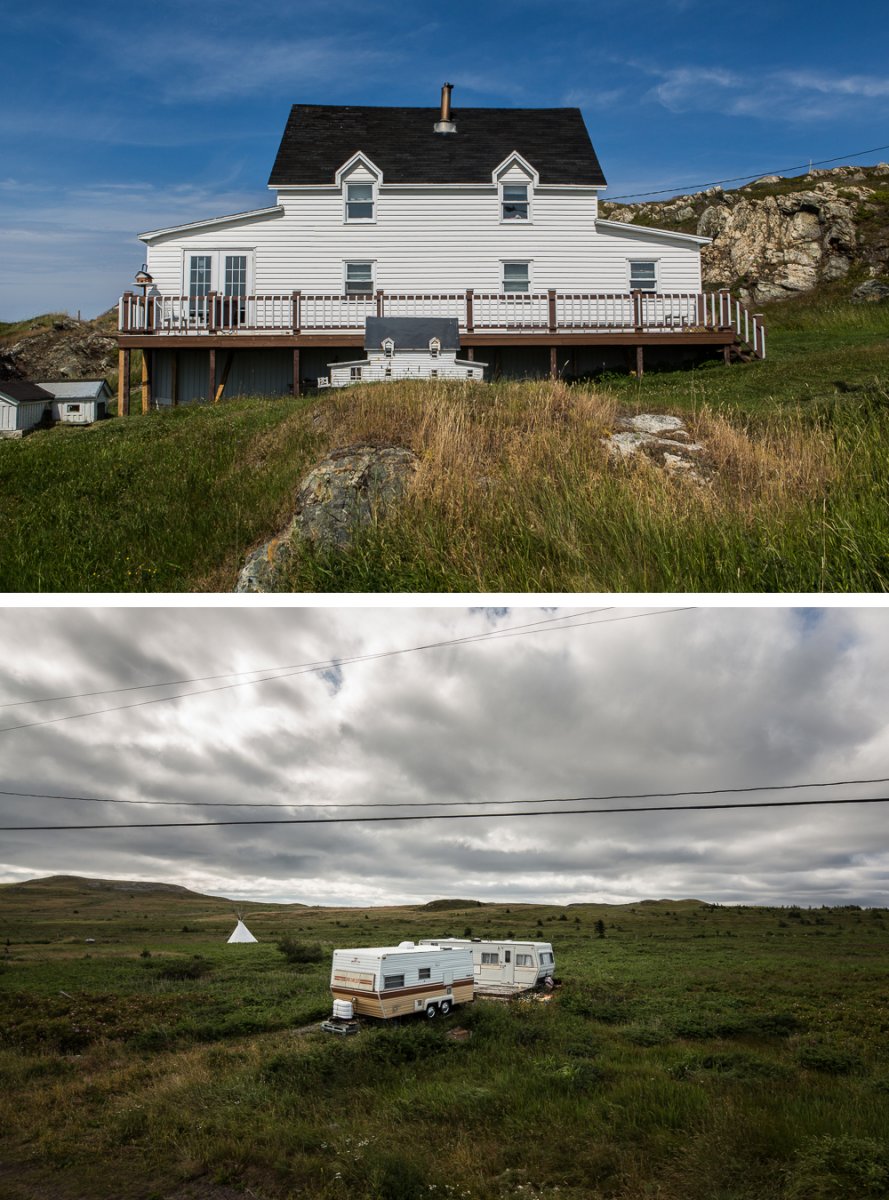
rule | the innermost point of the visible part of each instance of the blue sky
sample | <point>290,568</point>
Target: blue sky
<point>116,119</point>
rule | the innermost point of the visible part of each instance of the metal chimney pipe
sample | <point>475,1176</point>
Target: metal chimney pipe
<point>445,124</point>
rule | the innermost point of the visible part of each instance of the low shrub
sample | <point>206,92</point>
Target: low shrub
<point>296,951</point>
<point>839,1168</point>
<point>830,1060</point>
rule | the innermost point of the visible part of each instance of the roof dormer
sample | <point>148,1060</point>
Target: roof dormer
<point>515,179</point>
<point>359,180</point>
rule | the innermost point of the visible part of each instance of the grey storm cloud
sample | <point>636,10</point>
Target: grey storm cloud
<point>677,701</point>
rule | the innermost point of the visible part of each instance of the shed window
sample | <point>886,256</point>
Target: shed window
<point>516,277</point>
<point>425,973</point>
<point>359,278</point>
<point>392,981</point>
<point>354,372</point>
<point>73,408</point>
<point>514,202</point>
<point>359,202</point>
<point>643,276</point>
<point>490,958</point>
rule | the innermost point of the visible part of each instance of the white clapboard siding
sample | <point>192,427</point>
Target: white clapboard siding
<point>24,415</point>
<point>430,240</point>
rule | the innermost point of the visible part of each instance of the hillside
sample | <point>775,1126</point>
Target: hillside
<point>56,346</point>
<point>777,238</point>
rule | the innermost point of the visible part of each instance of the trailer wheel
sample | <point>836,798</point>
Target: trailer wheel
<point>431,1011</point>
<point>445,1007</point>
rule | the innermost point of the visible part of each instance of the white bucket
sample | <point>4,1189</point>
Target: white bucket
<point>343,1009</point>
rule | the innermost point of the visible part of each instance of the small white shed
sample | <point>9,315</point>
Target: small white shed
<point>22,406</point>
<point>78,402</point>
<point>406,348</point>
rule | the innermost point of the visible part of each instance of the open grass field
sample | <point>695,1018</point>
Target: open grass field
<point>515,491</point>
<point>693,1053</point>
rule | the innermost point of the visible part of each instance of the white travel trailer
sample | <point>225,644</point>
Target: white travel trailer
<point>392,981</point>
<point>523,964</point>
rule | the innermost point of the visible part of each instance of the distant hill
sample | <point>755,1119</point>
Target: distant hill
<point>445,905</point>
<point>81,882</point>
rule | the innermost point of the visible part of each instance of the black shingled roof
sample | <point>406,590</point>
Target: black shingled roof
<point>319,138</point>
<point>22,390</point>
<point>411,333</point>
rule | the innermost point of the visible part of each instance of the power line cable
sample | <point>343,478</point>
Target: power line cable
<point>721,791</point>
<point>546,812</point>
<point>320,664</point>
<point>498,635</point>
<point>681,189</point>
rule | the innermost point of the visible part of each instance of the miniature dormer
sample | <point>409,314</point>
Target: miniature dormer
<point>434,347</point>
<point>515,180</point>
<point>359,179</point>
<point>388,347</point>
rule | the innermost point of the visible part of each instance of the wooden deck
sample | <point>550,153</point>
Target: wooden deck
<point>558,320</point>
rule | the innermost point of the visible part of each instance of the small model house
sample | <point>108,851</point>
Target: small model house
<point>406,348</point>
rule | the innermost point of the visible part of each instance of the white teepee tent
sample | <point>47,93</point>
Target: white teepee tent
<point>241,933</point>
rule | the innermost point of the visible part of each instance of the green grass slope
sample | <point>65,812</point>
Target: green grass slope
<point>515,492</point>
<point>693,1052</point>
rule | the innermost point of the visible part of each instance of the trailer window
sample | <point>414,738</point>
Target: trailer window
<point>489,958</point>
<point>524,960</point>
<point>392,981</point>
<point>425,972</point>
<point>507,956</point>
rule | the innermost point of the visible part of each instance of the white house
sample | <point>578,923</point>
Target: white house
<point>484,215</point>
<point>23,405</point>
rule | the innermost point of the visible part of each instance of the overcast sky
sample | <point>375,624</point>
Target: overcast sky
<point>116,119</point>
<point>684,700</point>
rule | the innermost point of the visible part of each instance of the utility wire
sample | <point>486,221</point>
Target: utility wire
<point>546,812</point>
<point>500,635</point>
<point>722,791</point>
<point>681,189</point>
<point>321,664</point>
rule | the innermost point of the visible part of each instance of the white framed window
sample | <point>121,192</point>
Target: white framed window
<point>643,275</point>
<point>359,279</point>
<point>524,960</point>
<point>354,372</point>
<point>490,958</point>
<point>359,202</point>
<point>516,276</point>
<point>392,981</point>
<point>515,204</point>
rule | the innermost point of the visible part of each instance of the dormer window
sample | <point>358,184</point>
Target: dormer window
<point>359,202</point>
<point>388,347</point>
<point>514,205</point>
<point>434,347</point>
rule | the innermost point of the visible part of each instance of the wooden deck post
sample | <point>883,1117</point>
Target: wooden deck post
<point>554,362</point>
<point>123,383</point>
<point>225,370</point>
<point>637,311</point>
<point>294,386</point>
<point>727,353</point>
<point>211,313</point>
<point>551,298</point>
<point>640,361</point>
<point>211,381</point>
<point>470,353</point>
<point>174,379</point>
<point>380,302</point>
<point>294,311</point>
<point>146,381</point>
<point>470,319</point>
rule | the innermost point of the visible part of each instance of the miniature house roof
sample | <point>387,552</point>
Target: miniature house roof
<point>411,333</point>
<point>22,391</point>
<point>319,138</point>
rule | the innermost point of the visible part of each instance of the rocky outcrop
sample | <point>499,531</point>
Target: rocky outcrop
<point>661,438</point>
<point>778,237</point>
<point>66,349</point>
<point>347,490</point>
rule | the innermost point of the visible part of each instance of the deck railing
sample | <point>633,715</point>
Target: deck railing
<point>512,312</point>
